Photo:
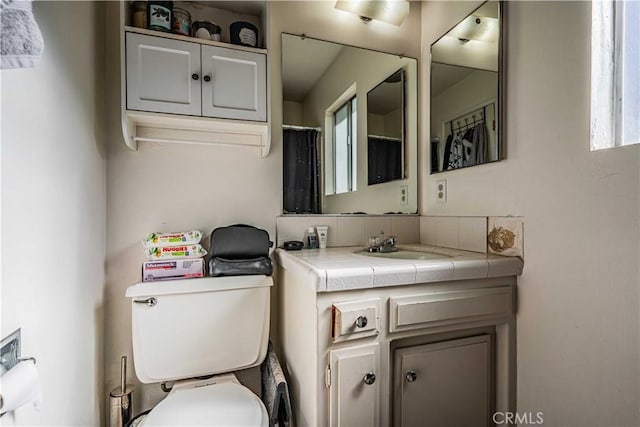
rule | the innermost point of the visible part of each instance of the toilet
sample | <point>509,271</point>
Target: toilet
<point>195,332</point>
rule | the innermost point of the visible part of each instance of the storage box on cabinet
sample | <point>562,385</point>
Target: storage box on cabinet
<point>179,77</point>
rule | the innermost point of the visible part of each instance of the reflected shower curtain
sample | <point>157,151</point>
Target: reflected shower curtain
<point>301,171</point>
<point>384,160</point>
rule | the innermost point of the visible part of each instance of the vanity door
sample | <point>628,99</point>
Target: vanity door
<point>354,386</point>
<point>234,84</point>
<point>446,383</point>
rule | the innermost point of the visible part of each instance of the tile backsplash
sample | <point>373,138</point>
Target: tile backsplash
<point>499,235</point>
<point>349,230</point>
<point>470,233</point>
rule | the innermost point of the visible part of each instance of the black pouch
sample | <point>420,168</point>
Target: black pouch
<point>239,250</point>
<point>240,267</point>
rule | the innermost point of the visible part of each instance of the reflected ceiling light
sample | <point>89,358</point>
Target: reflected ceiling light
<point>481,28</point>
<point>389,11</point>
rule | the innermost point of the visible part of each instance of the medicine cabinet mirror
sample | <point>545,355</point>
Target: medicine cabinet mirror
<point>385,130</point>
<point>349,129</point>
<point>467,91</point>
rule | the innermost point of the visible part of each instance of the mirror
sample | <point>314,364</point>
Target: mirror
<point>467,114</point>
<point>349,129</point>
<point>385,130</point>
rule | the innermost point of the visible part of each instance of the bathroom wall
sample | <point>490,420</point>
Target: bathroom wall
<point>217,185</point>
<point>578,305</point>
<point>53,213</point>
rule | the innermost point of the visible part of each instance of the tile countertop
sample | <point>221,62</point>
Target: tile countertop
<point>338,269</point>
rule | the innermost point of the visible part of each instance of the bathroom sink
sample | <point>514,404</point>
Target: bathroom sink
<point>405,254</point>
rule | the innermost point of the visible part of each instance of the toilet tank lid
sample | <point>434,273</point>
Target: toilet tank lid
<point>205,284</point>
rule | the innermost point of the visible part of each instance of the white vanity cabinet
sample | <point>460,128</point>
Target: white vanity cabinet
<point>444,383</point>
<point>438,353</point>
<point>180,77</point>
<point>354,388</point>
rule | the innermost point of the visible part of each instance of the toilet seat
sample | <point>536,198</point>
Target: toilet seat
<point>218,401</point>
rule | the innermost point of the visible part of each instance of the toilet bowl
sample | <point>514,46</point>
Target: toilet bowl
<point>217,401</point>
<point>197,328</point>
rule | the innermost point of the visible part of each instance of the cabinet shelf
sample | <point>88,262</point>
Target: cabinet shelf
<point>193,39</point>
<point>141,126</point>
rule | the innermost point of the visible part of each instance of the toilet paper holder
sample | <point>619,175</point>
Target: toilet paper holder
<point>10,354</point>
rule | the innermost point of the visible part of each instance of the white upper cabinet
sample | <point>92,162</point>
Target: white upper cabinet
<point>163,75</point>
<point>179,77</point>
<point>234,84</point>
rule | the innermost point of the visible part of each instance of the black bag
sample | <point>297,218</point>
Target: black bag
<point>239,250</point>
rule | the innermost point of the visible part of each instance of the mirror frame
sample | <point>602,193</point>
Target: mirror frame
<point>403,132</point>
<point>502,83</point>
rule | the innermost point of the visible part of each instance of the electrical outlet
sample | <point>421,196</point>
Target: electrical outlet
<point>441,191</point>
<point>404,194</point>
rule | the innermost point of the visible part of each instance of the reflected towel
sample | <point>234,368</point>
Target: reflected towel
<point>22,42</point>
<point>275,393</point>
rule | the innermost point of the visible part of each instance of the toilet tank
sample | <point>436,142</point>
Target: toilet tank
<point>196,327</point>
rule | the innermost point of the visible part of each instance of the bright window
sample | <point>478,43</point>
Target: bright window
<point>344,140</point>
<point>340,144</point>
<point>615,73</point>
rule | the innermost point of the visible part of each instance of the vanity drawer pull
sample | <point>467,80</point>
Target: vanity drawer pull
<point>411,376</point>
<point>361,322</point>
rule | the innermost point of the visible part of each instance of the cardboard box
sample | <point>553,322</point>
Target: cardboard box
<point>172,269</point>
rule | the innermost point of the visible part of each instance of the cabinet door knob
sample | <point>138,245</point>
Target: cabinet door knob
<point>411,376</point>
<point>369,378</point>
<point>361,322</point>
<point>194,76</point>
<point>207,78</point>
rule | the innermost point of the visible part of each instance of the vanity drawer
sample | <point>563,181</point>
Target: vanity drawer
<point>355,319</point>
<point>443,308</point>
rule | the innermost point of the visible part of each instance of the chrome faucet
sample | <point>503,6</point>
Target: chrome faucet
<point>380,244</point>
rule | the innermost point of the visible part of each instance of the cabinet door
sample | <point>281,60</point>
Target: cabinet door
<point>163,75</point>
<point>444,384</point>
<point>354,389</point>
<point>234,84</point>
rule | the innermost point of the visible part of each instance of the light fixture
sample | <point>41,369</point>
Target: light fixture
<point>389,11</point>
<point>481,28</point>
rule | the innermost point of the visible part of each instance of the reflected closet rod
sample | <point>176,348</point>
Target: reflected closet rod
<point>300,128</point>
